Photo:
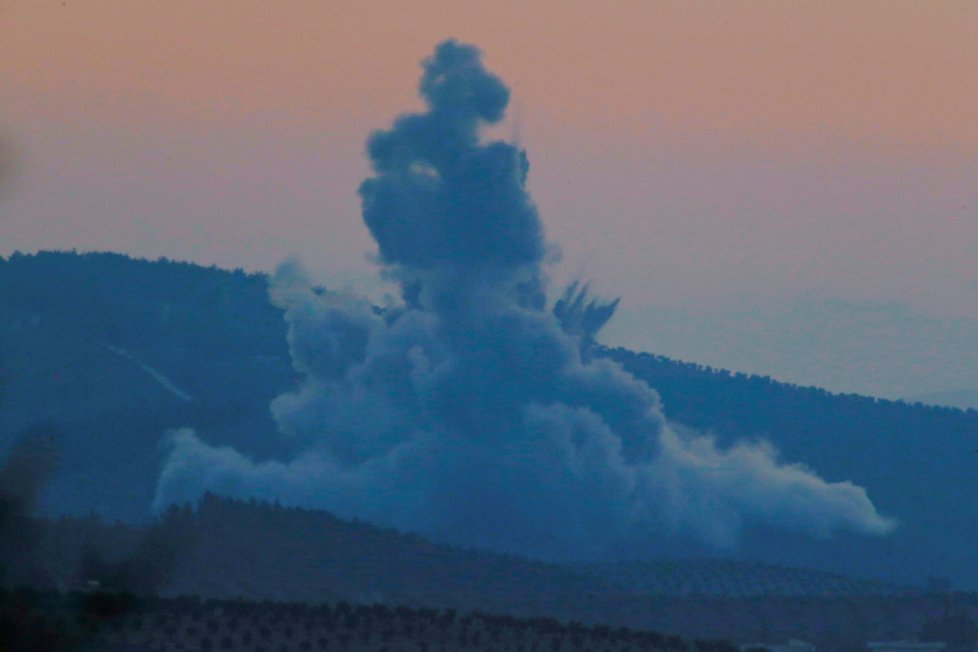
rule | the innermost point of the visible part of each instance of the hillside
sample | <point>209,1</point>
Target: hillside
<point>310,555</point>
<point>917,462</point>
<point>75,334</point>
<point>116,351</point>
<point>212,551</point>
<point>110,622</point>
<point>312,558</point>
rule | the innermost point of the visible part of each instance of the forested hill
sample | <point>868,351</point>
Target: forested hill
<point>62,314</point>
<point>115,351</point>
<point>81,337</point>
<point>888,446</point>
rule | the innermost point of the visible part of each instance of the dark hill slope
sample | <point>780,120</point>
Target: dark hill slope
<point>303,552</point>
<point>109,349</point>
<point>311,555</point>
<point>918,463</point>
<point>223,548</point>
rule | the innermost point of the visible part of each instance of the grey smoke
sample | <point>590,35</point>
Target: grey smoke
<point>467,412</point>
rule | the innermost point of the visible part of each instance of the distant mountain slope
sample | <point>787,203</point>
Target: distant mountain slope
<point>211,332</point>
<point>213,335</point>
<point>77,333</point>
<point>918,463</point>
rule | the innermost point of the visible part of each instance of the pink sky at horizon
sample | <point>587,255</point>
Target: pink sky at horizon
<point>686,154</point>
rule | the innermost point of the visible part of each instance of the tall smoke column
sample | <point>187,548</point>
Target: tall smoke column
<point>467,412</point>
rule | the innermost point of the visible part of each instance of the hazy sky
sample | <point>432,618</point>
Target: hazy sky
<point>706,160</point>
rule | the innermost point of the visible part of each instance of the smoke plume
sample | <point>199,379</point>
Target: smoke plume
<point>467,412</point>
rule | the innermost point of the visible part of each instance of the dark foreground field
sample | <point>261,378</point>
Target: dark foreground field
<point>110,622</point>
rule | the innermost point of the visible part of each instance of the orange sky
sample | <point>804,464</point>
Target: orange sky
<point>683,154</point>
<point>889,70</point>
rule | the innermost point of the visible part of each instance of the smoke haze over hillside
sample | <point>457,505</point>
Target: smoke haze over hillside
<point>466,410</point>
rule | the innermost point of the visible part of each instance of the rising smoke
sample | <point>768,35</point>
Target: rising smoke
<point>467,412</point>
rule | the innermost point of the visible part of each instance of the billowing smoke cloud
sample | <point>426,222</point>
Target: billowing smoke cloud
<point>467,412</point>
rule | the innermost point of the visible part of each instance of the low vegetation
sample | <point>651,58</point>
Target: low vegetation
<point>31,621</point>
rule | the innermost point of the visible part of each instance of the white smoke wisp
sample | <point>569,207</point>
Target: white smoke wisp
<point>467,412</point>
